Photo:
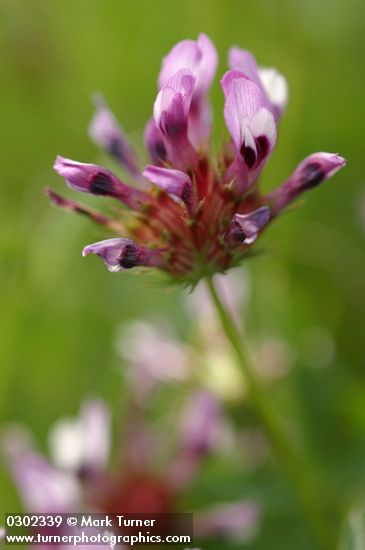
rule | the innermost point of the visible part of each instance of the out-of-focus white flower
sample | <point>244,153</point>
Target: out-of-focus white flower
<point>82,443</point>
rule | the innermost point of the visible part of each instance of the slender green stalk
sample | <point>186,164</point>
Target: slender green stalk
<point>287,456</point>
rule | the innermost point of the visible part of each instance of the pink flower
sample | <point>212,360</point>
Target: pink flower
<point>80,451</point>
<point>77,477</point>
<point>195,215</point>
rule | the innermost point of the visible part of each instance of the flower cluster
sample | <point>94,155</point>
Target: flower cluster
<point>78,479</point>
<point>153,472</point>
<point>193,215</point>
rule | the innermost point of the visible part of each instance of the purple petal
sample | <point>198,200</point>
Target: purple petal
<point>263,130</point>
<point>121,254</point>
<point>201,424</point>
<point>244,61</point>
<point>208,64</point>
<point>90,178</point>
<point>245,228</point>
<point>154,358</point>
<point>270,81</point>
<point>105,131</point>
<point>228,78</point>
<point>202,429</point>
<point>174,182</point>
<point>200,57</point>
<point>200,115</point>
<point>177,91</point>
<point>262,138</point>
<point>237,175</point>
<point>182,82</point>
<point>171,112</point>
<point>154,141</point>
<point>263,125</point>
<point>312,171</point>
<point>200,122</point>
<point>184,55</point>
<point>42,487</point>
<point>243,100</point>
<point>78,208</point>
<point>251,124</point>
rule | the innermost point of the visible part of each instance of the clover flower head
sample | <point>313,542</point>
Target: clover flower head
<point>193,214</point>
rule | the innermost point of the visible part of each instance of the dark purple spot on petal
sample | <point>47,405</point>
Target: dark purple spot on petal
<point>80,210</point>
<point>240,236</point>
<point>312,175</point>
<point>238,233</point>
<point>249,155</point>
<point>160,150</point>
<point>129,257</point>
<point>174,128</point>
<point>186,194</point>
<point>116,149</point>
<point>102,184</point>
<point>173,122</point>
<point>264,146</point>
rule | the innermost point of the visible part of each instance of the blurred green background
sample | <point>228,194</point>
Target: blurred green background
<point>59,312</point>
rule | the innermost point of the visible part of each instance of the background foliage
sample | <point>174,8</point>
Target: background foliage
<point>59,312</point>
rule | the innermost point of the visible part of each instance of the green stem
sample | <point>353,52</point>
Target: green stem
<point>287,456</point>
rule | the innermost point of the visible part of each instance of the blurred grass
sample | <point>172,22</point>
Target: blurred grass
<point>59,312</point>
